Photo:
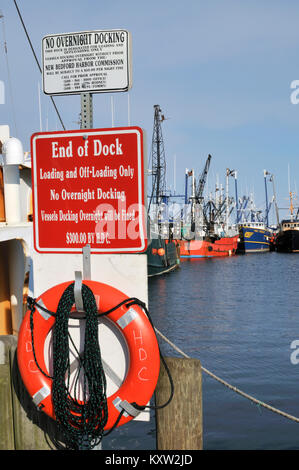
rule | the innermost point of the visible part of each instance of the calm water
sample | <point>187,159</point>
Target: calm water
<point>239,316</point>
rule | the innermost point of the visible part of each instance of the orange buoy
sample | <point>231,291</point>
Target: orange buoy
<point>131,321</point>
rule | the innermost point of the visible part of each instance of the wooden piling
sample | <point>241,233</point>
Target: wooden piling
<point>6,406</point>
<point>179,425</point>
<point>22,425</point>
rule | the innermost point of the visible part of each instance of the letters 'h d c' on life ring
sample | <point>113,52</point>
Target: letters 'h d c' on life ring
<point>144,357</point>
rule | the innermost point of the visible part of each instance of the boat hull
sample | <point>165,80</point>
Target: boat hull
<point>225,246</point>
<point>254,240</point>
<point>287,241</point>
<point>162,256</point>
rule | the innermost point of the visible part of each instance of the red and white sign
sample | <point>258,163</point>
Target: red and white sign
<point>88,188</point>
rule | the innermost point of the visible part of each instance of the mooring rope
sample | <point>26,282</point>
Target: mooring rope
<point>81,421</point>
<point>132,301</point>
<point>226,384</point>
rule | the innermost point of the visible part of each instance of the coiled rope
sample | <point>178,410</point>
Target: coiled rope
<point>231,387</point>
<point>81,421</point>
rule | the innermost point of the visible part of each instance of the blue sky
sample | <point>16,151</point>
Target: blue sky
<point>220,70</point>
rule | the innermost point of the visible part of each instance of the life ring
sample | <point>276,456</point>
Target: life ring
<point>144,357</point>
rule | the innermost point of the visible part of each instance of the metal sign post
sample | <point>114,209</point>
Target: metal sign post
<point>89,188</point>
<point>86,111</point>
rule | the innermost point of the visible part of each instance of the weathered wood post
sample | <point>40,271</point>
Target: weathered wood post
<point>6,406</point>
<point>22,425</point>
<point>179,425</point>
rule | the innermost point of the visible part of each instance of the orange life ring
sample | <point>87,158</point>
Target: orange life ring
<point>144,357</point>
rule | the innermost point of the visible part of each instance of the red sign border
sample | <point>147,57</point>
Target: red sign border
<point>141,188</point>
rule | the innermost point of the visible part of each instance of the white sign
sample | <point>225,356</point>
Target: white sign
<point>87,62</point>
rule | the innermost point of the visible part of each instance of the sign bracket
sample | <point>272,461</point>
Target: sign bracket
<point>78,278</point>
<point>86,263</point>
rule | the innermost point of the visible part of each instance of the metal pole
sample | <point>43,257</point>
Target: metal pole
<point>275,202</point>
<point>266,194</point>
<point>86,111</point>
<point>186,187</point>
<point>193,199</point>
<point>236,192</point>
<point>227,208</point>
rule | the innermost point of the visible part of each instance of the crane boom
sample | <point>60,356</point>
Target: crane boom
<point>202,180</point>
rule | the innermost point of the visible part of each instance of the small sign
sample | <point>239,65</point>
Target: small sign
<point>88,188</point>
<point>87,62</point>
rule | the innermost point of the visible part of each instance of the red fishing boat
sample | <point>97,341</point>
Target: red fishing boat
<point>207,248</point>
<point>206,230</point>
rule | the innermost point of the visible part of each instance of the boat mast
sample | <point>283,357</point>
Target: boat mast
<point>266,194</point>
<point>187,174</point>
<point>158,159</point>
<point>228,174</point>
<point>271,179</point>
<point>235,173</point>
<point>275,201</point>
<point>193,200</point>
<point>291,206</point>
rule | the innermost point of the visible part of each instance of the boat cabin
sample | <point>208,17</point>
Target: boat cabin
<point>290,224</point>
<point>259,225</point>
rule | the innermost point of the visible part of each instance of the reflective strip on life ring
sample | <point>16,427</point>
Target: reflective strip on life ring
<point>144,358</point>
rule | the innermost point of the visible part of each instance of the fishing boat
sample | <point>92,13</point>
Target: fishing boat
<point>16,235</point>
<point>287,238</point>
<point>254,237</point>
<point>209,234</point>
<point>255,234</point>
<point>163,255</point>
<point>225,246</point>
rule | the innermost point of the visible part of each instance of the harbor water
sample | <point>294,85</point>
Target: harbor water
<point>239,316</point>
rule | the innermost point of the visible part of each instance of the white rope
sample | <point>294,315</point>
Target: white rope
<point>231,387</point>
